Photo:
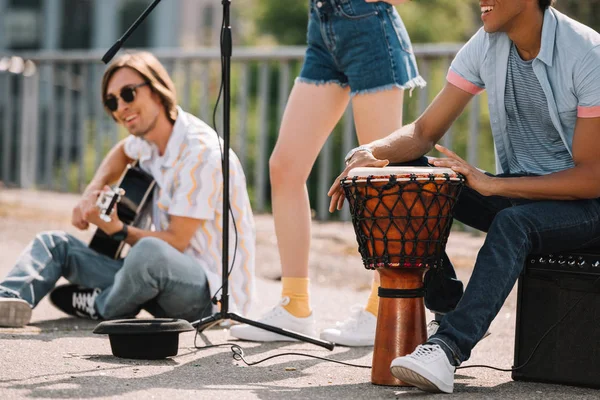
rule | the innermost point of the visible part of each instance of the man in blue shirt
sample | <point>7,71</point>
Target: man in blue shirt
<point>541,70</point>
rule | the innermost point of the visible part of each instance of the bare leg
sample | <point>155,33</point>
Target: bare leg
<point>311,114</point>
<point>376,115</point>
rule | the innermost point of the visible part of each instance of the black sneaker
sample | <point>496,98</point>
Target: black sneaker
<point>75,300</point>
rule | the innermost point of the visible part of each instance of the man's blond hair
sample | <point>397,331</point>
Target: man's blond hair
<point>152,71</point>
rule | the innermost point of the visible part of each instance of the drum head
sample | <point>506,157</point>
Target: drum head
<point>404,173</point>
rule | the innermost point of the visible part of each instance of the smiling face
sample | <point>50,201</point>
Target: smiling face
<point>501,15</point>
<point>141,115</point>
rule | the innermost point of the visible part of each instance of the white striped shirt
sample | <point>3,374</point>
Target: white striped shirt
<point>190,184</point>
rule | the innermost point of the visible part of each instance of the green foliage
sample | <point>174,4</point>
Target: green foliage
<point>431,21</point>
<point>586,12</point>
<point>284,20</point>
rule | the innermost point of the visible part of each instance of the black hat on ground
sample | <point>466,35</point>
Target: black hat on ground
<point>146,339</point>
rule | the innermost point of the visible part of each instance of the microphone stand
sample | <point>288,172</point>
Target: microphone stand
<point>223,313</point>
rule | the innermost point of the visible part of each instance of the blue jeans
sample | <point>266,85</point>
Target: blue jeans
<point>515,228</point>
<point>358,44</point>
<point>154,276</point>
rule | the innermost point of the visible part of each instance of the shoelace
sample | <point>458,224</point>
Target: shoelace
<point>426,351</point>
<point>284,301</point>
<point>85,301</point>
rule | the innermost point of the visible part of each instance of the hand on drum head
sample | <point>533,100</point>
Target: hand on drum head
<point>474,178</point>
<point>360,159</point>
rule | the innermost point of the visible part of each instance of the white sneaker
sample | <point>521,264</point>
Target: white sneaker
<point>357,330</point>
<point>278,317</point>
<point>427,368</point>
<point>14,313</point>
<point>433,326</point>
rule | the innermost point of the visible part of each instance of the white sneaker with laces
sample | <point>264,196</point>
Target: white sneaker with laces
<point>357,330</point>
<point>427,368</point>
<point>14,313</point>
<point>278,317</point>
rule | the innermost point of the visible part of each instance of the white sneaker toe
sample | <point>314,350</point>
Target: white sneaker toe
<point>280,318</point>
<point>358,330</point>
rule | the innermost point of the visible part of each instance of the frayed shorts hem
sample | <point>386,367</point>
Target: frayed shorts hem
<point>417,82</point>
<point>321,82</point>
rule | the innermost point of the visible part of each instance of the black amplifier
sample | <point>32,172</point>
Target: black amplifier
<point>550,286</point>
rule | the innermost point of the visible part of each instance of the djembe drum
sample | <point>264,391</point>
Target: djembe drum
<point>402,218</point>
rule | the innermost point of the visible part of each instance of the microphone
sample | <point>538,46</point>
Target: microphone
<point>115,47</point>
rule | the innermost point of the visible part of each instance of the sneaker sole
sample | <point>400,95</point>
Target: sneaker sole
<point>14,314</point>
<point>415,379</point>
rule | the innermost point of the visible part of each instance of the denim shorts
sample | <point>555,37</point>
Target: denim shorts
<point>358,44</point>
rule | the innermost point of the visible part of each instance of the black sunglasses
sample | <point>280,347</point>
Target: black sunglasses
<point>127,94</point>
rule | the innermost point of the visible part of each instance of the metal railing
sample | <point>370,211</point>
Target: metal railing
<point>54,131</point>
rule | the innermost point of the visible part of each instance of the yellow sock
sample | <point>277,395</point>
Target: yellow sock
<point>297,290</point>
<point>373,300</point>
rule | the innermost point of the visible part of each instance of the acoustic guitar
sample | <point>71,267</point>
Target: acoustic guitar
<point>133,199</point>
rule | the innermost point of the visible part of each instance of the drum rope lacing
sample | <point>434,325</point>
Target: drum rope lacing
<point>398,224</point>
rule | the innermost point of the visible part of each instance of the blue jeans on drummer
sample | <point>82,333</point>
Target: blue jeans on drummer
<point>154,276</point>
<point>361,45</point>
<point>515,228</point>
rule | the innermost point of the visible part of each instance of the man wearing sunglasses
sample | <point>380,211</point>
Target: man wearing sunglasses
<point>171,271</point>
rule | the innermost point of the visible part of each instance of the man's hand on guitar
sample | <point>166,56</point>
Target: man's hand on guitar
<point>91,213</point>
<point>78,215</point>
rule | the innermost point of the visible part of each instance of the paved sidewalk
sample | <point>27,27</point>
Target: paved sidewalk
<point>58,357</point>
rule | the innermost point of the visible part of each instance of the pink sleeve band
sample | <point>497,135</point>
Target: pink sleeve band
<point>463,84</point>
<point>588,112</point>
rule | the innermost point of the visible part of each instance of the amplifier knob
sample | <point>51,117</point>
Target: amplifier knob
<point>542,260</point>
<point>551,260</point>
<point>581,263</point>
<point>571,263</point>
<point>561,260</point>
<point>596,264</point>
